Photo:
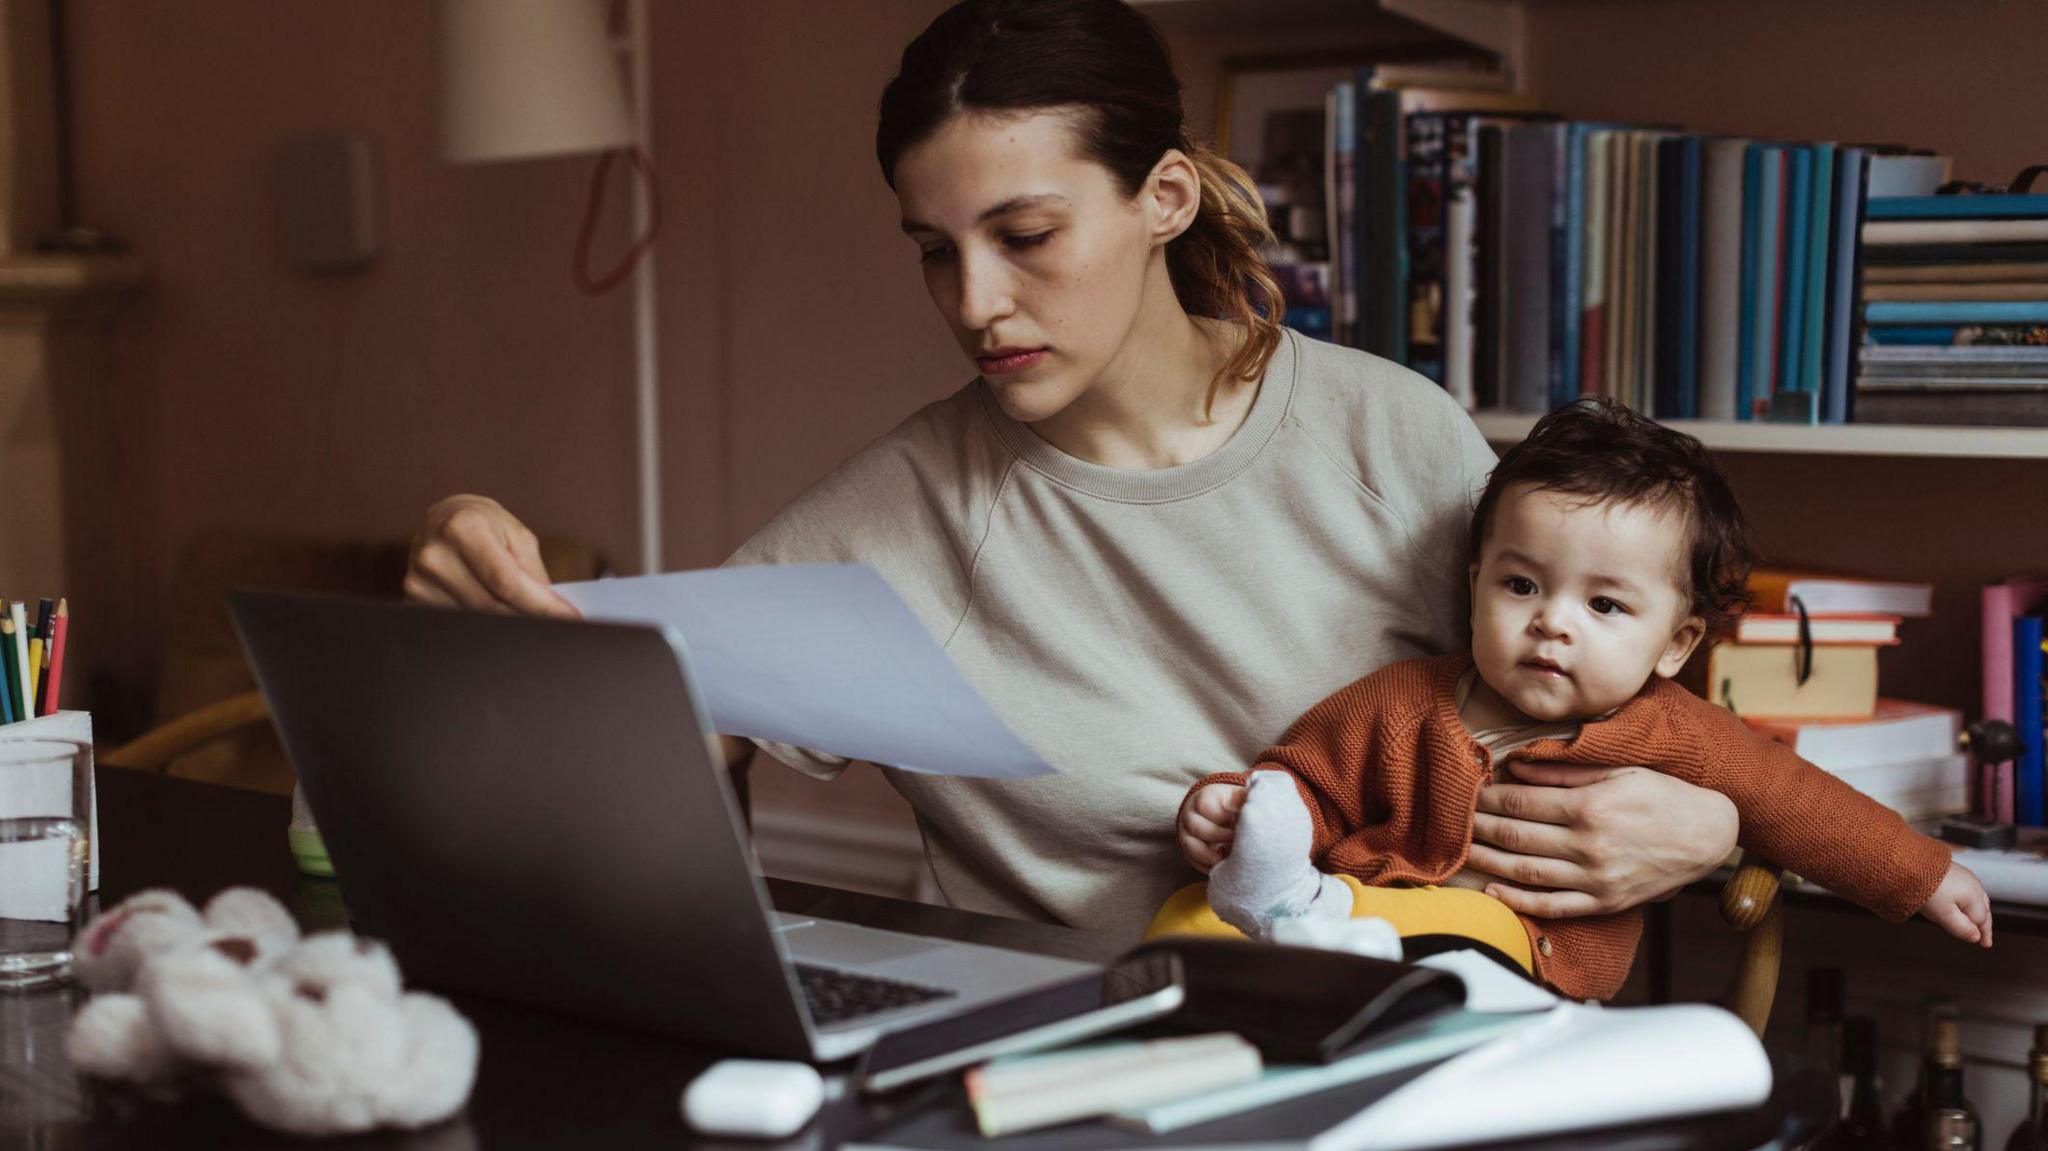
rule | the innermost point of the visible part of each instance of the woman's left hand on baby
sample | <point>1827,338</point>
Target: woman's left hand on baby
<point>1961,906</point>
<point>1602,839</point>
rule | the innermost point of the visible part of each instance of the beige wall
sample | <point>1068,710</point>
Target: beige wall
<point>793,325</point>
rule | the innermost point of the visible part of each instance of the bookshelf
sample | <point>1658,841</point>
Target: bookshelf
<point>1953,506</point>
<point>1502,428</point>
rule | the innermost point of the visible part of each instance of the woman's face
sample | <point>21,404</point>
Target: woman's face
<point>1034,256</point>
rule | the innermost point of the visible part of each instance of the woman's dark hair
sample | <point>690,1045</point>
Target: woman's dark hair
<point>1602,452</point>
<point>1107,62</point>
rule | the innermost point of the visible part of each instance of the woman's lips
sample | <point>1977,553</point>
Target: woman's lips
<point>1003,360</point>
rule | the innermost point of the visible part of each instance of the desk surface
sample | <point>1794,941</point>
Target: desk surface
<point>544,1081</point>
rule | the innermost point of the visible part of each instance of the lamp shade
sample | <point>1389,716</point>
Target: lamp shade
<point>522,79</point>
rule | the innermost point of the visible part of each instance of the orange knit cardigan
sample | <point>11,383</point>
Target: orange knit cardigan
<point>1391,778</point>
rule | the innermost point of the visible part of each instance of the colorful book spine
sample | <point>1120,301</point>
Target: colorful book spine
<point>1957,207</point>
<point>2001,604</point>
<point>1928,312</point>
<point>1818,236</point>
<point>2027,686</point>
<point>1752,270</point>
<point>1794,283</point>
<point>1844,285</point>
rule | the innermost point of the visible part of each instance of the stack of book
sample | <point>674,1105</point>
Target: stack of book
<point>2015,683</point>
<point>1802,669</point>
<point>1955,303</point>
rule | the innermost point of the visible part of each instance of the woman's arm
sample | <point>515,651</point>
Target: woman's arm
<point>1599,839</point>
<point>472,553</point>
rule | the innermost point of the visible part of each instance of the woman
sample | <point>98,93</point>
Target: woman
<point>1158,526</point>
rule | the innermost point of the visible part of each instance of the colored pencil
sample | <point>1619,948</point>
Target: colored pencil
<point>13,681</point>
<point>35,669</point>
<point>17,614</point>
<point>53,680</point>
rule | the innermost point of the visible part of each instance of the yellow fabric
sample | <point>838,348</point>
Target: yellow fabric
<point>1412,911</point>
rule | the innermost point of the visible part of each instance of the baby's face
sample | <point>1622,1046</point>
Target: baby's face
<point>1576,605</point>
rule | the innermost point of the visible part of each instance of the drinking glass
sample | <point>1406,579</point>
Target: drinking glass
<point>45,821</point>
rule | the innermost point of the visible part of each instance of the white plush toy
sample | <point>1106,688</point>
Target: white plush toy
<point>309,1035</point>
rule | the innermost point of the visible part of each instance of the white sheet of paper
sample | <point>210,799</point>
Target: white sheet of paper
<point>1488,985</point>
<point>822,656</point>
<point>1581,1067</point>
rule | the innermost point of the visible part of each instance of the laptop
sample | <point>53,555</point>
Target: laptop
<point>527,809</point>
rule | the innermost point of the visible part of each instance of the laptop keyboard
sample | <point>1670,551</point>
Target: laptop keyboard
<point>836,996</point>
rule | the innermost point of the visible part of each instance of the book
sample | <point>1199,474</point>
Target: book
<point>1961,253</point>
<point>2001,602</point>
<point>1794,285</point>
<point>2027,686</point>
<point>1031,1092</point>
<point>1819,238</point>
<point>1954,231</point>
<point>1844,286</point>
<point>1958,290</point>
<point>1527,184</point>
<point>1938,335</point>
<point>1956,312</point>
<point>1594,289</point>
<point>1761,681</point>
<point>1953,407</point>
<point>1982,271</point>
<point>1957,207</point>
<point>1764,627</point>
<point>1775,588</point>
<point>1900,173</point>
<point>1897,732</point>
<point>1721,227</point>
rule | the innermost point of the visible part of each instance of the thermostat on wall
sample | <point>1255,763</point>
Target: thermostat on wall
<point>327,190</point>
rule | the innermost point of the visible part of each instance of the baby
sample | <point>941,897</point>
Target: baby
<point>1604,548</point>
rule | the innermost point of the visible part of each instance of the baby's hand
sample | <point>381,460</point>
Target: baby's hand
<point>1208,822</point>
<point>1960,905</point>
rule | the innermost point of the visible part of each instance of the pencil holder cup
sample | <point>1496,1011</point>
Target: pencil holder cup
<point>75,727</point>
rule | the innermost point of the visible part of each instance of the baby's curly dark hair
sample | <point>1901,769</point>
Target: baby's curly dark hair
<point>1602,451</point>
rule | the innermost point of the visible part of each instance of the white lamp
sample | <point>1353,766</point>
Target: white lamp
<point>522,79</point>
<point>525,79</point>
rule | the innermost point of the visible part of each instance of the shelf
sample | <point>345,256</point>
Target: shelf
<point>1831,439</point>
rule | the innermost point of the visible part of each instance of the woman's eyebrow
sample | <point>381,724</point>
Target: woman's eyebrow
<point>1013,204</point>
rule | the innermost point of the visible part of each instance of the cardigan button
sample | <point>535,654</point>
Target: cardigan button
<point>1543,945</point>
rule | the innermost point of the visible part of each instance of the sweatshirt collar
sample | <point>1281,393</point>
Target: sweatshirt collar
<point>1160,485</point>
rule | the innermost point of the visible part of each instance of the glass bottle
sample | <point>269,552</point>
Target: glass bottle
<point>1948,1122</point>
<point>1907,1124</point>
<point>1862,1127</point>
<point>1824,998</point>
<point>2032,1134</point>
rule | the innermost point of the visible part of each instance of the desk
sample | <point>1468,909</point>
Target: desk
<point>544,1081</point>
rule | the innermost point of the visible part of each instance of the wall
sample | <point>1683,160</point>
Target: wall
<point>793,326</point>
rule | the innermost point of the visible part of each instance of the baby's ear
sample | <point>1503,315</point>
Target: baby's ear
<point>1683,642</point>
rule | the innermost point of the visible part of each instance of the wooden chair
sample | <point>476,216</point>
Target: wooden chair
<point>1750,904</point>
